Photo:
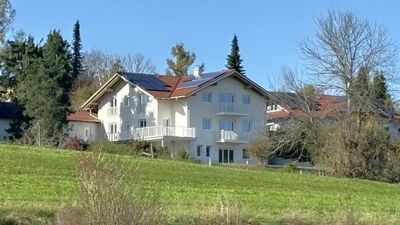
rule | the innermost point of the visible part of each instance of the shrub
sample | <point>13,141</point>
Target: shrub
<point>124,148</point>
<point>76,143</point>
<point>108,196</point>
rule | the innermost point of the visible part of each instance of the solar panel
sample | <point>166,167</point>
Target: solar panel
<point>196,82</point>
<point>147,81</point>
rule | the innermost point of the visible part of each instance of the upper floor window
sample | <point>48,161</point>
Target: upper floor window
<point>206,97</point>
<point>226,98</point>
<point>246,99</point>
<point>113,102</point>
<point>142,123</point>
<point>227,125</point>
<point>246,126</point>
<point>127,101</point>
<point>206,123</point>
<point>142,102</point>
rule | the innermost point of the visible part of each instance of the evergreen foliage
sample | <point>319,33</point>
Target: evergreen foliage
<point>183,60</point>
<point>380,92</point>
<point>234,60</point>
<point>76,51</point>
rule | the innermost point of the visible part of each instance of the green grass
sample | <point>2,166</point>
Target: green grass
<point>41,179</point>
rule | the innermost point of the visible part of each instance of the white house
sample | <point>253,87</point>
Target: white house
<point>210,115</point>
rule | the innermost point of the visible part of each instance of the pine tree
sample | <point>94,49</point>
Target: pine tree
<point>234,60</point>
<point>183,60</point>
<point>44,88</point>
<point>76,51</point>
<point>380,92</point>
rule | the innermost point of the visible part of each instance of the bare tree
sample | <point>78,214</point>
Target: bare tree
<point>345,45</point>
<point>138,63</point>
<point>7,14</point>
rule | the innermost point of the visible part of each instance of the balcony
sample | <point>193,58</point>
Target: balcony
<point>227,136</point>
<point>231,109</point>
<point>164,132</point>
<point>112,111</point>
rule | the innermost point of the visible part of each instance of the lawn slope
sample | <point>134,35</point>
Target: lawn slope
<point>45,179</point>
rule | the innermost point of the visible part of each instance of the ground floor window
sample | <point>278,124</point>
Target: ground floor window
<point>208,148</point>
<point>142,123</point>
<point>245,154</point>
<point>199,150</point>
<point>225,156</point>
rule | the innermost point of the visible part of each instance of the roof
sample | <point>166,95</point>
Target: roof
<point>322,106</point>
<point>8,110</point>
<point>83,116</point>
<point>171,87</point>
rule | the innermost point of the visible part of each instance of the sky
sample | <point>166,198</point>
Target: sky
<point>268,31</point>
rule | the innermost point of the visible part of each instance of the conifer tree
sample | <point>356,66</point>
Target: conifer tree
<point>76,51</point>
<point>234,60</point>
<point>380,92</point>
<point>183,60</point>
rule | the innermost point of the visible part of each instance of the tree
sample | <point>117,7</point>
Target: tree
<point>76,51</point>
<point>234,60</point>
<point>7,14</point>
<point>44,87</point>
<point>183,60</point>
<point>345,45</point>
<point>380,92</point>
<point>138,63</point>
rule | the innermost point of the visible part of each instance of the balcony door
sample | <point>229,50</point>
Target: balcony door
<point>226,101</point>
<point>228,125</point>
<point>225,156</point>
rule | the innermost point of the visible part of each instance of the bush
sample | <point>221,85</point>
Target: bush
<point>76,143</point>
<point>124,148</point>
<point>108,196</point>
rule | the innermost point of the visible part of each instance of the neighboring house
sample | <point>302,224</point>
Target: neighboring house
<point>210,115</point>
<point>287,106</point>
<point>8,111</point>
<point>83,125</point>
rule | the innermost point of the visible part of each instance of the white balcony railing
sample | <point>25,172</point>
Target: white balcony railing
<point>112,111</point>
<point>155,132</point>
<point>113,136</point>
<point>227,136</point>
<point>232,109</point>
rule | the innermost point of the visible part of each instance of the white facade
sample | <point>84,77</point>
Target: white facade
<point>216,128</point>
<point>86,131</point>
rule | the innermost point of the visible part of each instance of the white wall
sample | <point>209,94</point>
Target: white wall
<point>77,129</point>
<point>199,110</point>
<point>126,115</point>
<point>4,125</point>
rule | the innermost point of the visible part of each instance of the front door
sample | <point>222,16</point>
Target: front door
<point>225,156</point>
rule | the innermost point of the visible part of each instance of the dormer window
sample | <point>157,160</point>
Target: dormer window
<point>271,108</point>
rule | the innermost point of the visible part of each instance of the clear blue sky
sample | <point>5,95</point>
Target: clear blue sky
<point>268,31</point>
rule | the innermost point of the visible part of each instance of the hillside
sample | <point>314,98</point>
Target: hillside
<point>44,179</point>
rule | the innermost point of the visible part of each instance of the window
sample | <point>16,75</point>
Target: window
<point>112,128</point>
<point>127,101</point>
<point>246,99</point>
<point>226,125</point>
<point>208,148</point>
<point>206,97</point>
<point>206,123</point>
<point>166,122</point>
<point>246,126</point>
<point>113,102</point>
<point>128,127</point>
<point>199,150</point>
<point>245,154</point>
<point>142,123</point>
<point>87,134</point>
<point>142,102</point>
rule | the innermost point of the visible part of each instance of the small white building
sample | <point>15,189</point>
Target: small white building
<point>211,116</point>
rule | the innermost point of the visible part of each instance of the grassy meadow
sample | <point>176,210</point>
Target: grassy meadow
<point>44,180</point>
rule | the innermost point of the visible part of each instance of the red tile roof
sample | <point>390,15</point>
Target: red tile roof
<point>324,105</point>
<point>84,116</point>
